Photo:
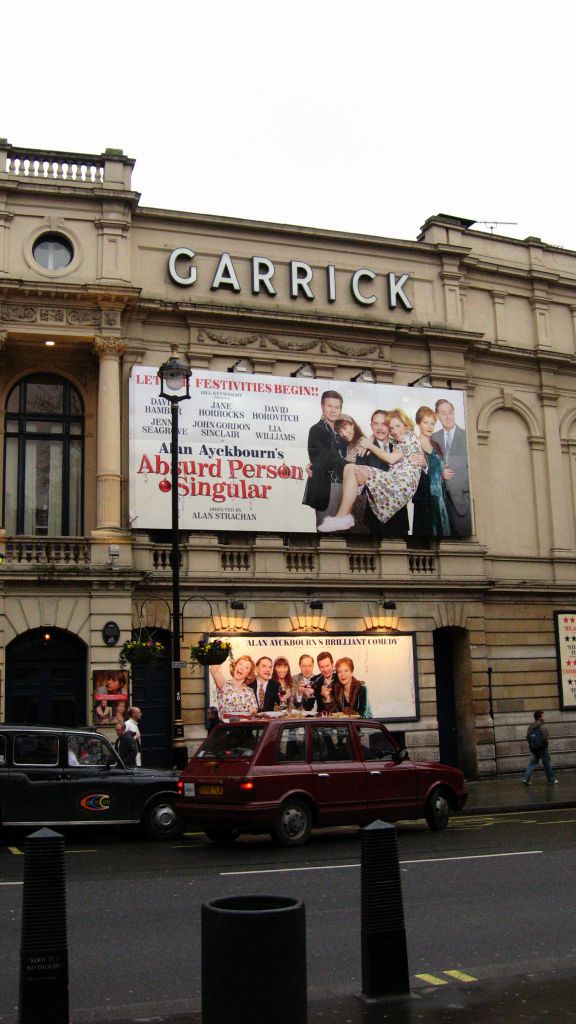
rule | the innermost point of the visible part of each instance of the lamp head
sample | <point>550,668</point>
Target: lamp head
<point>174,376</point>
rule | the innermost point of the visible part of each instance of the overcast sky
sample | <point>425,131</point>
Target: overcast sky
<point>358,116</point>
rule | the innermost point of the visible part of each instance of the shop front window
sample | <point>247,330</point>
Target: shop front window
<point>44,458</point>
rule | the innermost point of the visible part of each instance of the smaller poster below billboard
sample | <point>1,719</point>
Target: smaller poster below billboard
<point>373,675</point>
<point>566,654</point>
<point>110,695</point>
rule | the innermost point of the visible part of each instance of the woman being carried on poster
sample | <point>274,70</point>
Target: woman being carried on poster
<point>350,693</point>
<point>387,492</point>
<point>234,695</point>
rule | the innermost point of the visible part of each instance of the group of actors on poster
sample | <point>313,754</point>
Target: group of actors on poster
<point>323,686</point>
<point>367,481</point>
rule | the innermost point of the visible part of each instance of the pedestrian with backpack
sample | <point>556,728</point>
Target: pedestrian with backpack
<point>537,739</point>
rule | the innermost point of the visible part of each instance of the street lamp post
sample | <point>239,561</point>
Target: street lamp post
<point>175,387</point>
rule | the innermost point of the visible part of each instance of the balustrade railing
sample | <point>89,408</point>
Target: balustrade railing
<point>421,562</point>
<point>40,551</point>
<point>110,167</point>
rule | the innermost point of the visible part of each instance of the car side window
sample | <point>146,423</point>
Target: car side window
<point>376,744</point>
<point>35,748</point>
<point>86,751</point>
<point>331,743</point>
<point>2,750</point>
<point>292,744</point>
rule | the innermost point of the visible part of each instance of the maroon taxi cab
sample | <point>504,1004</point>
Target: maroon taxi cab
<point>287,776</point>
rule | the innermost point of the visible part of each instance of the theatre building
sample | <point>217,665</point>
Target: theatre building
<point>441,561</point>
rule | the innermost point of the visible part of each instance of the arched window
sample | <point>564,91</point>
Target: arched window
<point>44,458</point>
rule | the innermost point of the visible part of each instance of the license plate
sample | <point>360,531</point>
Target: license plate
<point>189,789</point>
<point>212,790</point>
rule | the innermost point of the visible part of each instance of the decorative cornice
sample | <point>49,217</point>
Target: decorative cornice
<point>263,341</point>
<point>28,314</point>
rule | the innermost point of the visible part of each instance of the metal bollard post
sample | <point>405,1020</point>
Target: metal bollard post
<point>254,960</point>
<point>384,953</point>
<point>44,947</point>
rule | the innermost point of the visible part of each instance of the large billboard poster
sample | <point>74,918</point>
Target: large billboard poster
<point>374,675</point>
<point>295,455</point>
<point>565,624</point>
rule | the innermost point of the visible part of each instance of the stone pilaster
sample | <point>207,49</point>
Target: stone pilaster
<point>108,445</point>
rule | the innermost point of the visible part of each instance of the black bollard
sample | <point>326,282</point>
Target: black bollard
<point>384,953</point>
<point>254,960</point>
<point>44,948</point>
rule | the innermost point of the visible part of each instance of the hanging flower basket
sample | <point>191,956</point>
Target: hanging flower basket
<point>211,652</point>
<point>141,650</point>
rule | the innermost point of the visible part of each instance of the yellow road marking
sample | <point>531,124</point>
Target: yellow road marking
<point>432,979</point>
<point>16,851</point>
<point>460,976</point>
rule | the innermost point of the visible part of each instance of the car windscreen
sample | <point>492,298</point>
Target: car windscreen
<point>231,741</point>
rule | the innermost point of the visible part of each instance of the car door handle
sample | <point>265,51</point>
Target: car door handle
<point>323,775</point>
<point>375,773</point>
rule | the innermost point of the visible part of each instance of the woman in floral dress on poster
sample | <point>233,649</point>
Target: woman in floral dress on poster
<point>388,491</point>
<point>235,696</point>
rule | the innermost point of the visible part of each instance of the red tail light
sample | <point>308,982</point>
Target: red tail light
<point>246,785</point>
<point>180,787</point>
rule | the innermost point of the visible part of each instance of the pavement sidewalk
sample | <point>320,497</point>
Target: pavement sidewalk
<point>507,793</point>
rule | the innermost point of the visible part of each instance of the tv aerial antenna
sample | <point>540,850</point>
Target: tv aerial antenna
<point>491,224</point>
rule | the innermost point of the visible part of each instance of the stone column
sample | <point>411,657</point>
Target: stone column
<point>559,509</point>
<point>109,436</point>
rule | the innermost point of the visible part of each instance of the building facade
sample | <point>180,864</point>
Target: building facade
<point>94,286</point>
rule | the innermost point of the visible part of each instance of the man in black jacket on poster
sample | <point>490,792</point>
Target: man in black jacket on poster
<point>326,451</point>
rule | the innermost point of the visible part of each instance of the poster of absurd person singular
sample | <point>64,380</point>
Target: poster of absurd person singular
<point>285,454</point>
<point>284,670</point>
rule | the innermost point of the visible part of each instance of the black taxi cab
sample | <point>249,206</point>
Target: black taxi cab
<point>59,776</point>
<point>289,774</point>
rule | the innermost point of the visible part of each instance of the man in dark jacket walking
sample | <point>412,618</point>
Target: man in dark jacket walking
<point>125,745</point>
<point>537,739</point>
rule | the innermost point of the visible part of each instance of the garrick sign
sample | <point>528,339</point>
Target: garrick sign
<point>300,279</point>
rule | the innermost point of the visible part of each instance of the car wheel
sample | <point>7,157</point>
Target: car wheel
<point>437,810</point>
<point>222,836</point>
<point>294,824</point>
<point>161,822</point>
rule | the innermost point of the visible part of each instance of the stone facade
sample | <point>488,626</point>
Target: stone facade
<point>491,315</point>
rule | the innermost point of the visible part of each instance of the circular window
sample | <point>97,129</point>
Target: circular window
<point>53,252</point>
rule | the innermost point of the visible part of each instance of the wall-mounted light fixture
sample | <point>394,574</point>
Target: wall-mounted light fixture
<point>236,605</point>
<point>306,370</point>
<point>365,377</point>
<point>382,616</point>
<point>242,366</point>
<point>49,343</point>
<point>423,380</point>
<point>312,619</point>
